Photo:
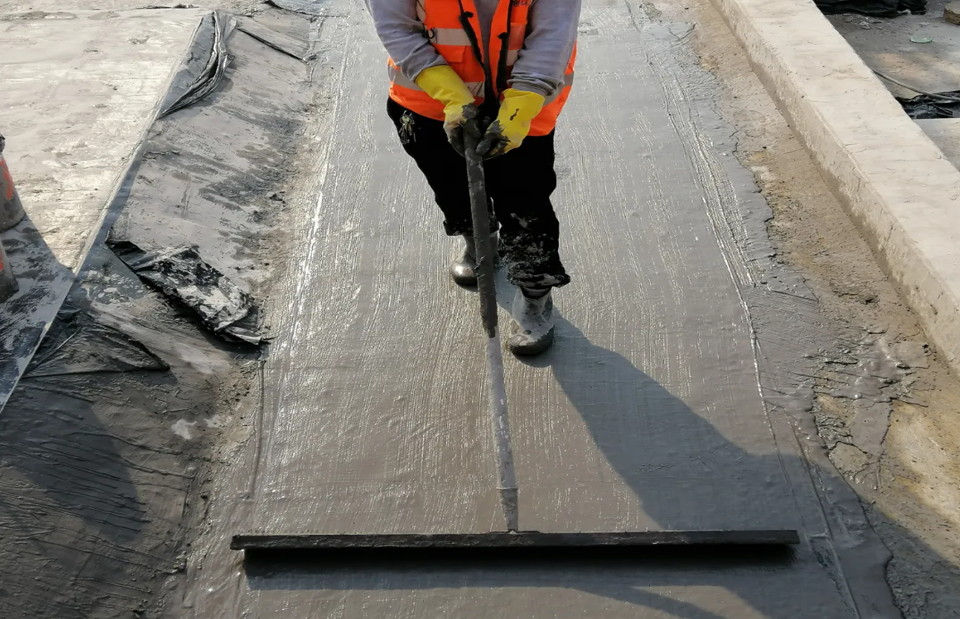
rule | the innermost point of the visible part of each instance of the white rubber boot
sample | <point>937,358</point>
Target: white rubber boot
<point>533,327</point>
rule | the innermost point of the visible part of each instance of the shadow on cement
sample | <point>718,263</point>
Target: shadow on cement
<point>641,427</point>
<point>52,440</point>
<point>55,442</point>
<point>777,583</point>
<point>600,383</point>
<point>94,477</point>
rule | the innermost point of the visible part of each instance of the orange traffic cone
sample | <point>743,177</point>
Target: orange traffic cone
<point>11,213</point>
<point>8,283</point>
<point>11,210</point>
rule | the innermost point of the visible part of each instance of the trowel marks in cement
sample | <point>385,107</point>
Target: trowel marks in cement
<point>648,413</point>
<point>622,427</point>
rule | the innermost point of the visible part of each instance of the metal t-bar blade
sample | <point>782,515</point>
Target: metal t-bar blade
<point>381,544</point>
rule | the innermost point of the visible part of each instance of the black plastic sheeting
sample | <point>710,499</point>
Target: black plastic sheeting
<point>274,40</point>
<point>928,107</point>
<point>213,71</point>
<point>878,8</point>
<point>181,274</point>
<point>306,7</point>
<point>78,344</point>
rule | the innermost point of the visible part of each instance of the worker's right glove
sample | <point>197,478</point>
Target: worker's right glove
<point>459,107</point>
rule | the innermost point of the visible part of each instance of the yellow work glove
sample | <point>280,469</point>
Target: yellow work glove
<point>517,111</point>
<point>443,84</point>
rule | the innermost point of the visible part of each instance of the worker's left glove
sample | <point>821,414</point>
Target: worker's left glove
<point>459,109</point>
<point>517,111</point>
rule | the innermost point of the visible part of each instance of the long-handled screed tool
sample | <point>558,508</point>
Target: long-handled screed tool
<point>456,544</point>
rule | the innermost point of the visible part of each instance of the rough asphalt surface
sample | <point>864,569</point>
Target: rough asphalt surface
<point>678,396</point>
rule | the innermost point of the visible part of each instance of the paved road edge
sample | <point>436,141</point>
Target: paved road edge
<point>892,179</point>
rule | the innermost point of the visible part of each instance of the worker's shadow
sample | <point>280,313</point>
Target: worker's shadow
<point>686,474</point>
<point>624,409</point>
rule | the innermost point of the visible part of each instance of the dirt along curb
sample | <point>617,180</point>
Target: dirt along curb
<point>894,181</point>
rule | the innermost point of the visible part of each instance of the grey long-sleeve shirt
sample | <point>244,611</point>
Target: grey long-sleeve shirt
<point>542,62</point>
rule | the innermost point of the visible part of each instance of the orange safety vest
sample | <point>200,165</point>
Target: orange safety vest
<point>454,30</point>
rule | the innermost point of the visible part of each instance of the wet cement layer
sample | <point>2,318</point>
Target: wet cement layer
<point>622,426</point>
<point>650,413</point>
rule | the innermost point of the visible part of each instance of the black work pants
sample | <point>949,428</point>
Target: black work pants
<point>519,185</point>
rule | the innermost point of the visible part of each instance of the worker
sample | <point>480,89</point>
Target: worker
<point>501,71</point>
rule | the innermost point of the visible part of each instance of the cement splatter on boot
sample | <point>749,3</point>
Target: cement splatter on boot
<point>533,327</point>
<point>464,267</point>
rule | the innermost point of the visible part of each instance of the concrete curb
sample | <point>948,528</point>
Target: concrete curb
<point>893,180</point>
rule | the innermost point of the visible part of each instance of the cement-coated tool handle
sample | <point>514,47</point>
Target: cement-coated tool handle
<point>506,473</point>
<point>481,235</point>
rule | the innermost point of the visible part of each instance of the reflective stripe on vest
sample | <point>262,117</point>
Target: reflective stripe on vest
<point>443,27</point>
<point>448,36</point>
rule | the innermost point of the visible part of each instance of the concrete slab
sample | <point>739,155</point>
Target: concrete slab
<point>896,183</point>
<point>80,90</point>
